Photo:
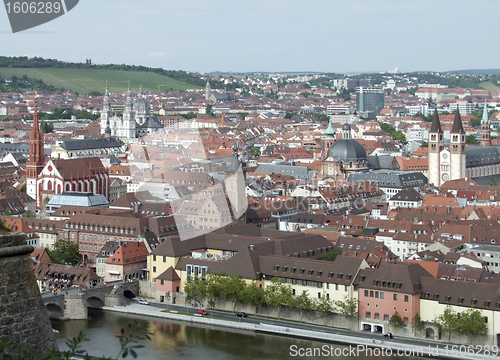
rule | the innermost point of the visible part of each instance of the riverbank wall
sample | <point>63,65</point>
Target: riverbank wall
<point>376,347</point>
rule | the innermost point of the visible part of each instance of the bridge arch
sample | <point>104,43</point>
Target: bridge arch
<point>94,302</point>
<point>54,311</point>
<point>129,294</point>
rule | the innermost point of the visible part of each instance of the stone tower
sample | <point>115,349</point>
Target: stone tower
<point>106,113</point>
<point>457,149</point>
<point>485,128</point>
<point>129,123</point>
<point>207,91</point>
<point>23,318</point>
<point>36,159</point>
<point>436,145</point>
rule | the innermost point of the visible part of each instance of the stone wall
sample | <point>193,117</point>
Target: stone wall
<point>23,318</point>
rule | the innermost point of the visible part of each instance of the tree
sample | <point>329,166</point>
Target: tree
<point>302,303</point>
<point>208,109</point>
<point>195,289</point>
<point>424,144</point>
<point>332,254</point>
<point>471,323</point>
<point>278,293</point>
<point>7,212</point>
<point>253,295</point>
<point>417,322</point>
<point>348,307</point>
<point>168,297</point>
<point>231,286</point>
<point>396,320</point>
<point>324,306</point>
<point>447,321</point>
<point>254,151</point>
<point>66,253</point>
<point>323,118</point>
<point>471,139</point>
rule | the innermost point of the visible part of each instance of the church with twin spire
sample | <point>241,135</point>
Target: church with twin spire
<point>458,160</point>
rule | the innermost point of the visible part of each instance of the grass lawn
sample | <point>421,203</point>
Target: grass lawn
<point>84,81</point>
<point>488,85</point>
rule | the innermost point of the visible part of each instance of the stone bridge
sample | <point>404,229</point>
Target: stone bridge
<point>74,304</point>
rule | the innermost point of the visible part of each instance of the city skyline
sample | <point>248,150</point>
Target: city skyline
<point>337,37</point>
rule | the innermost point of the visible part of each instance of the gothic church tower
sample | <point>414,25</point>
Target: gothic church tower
<point>36,159</point>
<point>485,128</point>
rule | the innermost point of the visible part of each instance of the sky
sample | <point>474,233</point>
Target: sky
<point>340,36</point>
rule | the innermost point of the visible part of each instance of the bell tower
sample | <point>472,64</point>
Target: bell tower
<point>485,128</point>
<point>457,148</point>
<point>106,110</point>
<point>36,159</point>
<point>436,145</point>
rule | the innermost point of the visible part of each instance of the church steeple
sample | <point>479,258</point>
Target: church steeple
<point>457,149</point>
<point>485,128</point>
<point>330,135</point>
<point>207,91</point>
<point>106,98</point>
<point>458,128</point>
<point>436,145</point>
<point>346,131</point>
<point>128,103</point>
<point>107,132</point>
<point>330,131</point>
<point>36,159</point>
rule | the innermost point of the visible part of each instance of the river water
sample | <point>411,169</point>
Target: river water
<point>177,340</point>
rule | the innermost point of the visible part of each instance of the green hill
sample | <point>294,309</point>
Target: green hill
<point>84,81</point>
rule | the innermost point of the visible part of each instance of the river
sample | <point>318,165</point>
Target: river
<point>177,340</point>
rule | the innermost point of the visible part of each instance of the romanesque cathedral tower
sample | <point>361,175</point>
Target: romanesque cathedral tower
<point>446,164</point>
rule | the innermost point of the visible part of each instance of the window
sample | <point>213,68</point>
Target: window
<point>368,315</point>
<point>395,297</point>
<point>377,316</point>
<point>386,317</point>
<point>407,298</point>
<point>154,268</point>
<point>366,293</point>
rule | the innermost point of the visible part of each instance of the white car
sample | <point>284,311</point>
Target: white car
<point>143,302</point>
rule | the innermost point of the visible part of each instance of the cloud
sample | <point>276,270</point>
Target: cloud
<point>187,14</point>
<point>157,54</point>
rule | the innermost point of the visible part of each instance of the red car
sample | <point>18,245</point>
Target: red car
<point>202,312</point>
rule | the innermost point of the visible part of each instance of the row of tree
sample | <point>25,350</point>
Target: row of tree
<point>63,113</point>
<point>469,322</point>
<point>277,294</point>
<point>393,132</point>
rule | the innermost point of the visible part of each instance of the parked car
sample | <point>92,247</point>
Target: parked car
<point>388,336</point>
<point>202,312</point>
<point>241,314</point>
<point>143,302</point>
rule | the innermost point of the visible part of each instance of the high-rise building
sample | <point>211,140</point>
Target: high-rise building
<point>369,101</point>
